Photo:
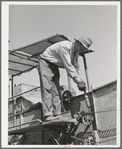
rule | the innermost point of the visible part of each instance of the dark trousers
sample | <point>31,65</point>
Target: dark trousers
<point>49,82</point>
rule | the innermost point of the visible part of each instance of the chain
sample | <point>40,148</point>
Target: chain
<point>106,140</point>
<point>104,111</point>
<point>78,139</point>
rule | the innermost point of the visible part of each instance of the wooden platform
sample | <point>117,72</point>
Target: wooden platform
<point>40,126</point>
<point>59,122</point>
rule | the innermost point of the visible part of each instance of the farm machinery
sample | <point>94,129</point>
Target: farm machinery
<point>91,115</point>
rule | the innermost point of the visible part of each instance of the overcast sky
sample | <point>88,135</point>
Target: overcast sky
<point>31,23</point>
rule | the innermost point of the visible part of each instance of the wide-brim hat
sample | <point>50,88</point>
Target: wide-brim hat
<point>86,41</point>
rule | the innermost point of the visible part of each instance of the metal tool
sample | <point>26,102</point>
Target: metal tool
<point>87,102</point>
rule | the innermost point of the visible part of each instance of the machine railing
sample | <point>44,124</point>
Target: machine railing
<point>23,93</point>
<point>37,120</point>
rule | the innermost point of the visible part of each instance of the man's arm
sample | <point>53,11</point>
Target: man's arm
<point>65,57</point>
<point>76,65</point>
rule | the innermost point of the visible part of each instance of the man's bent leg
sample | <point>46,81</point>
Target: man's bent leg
<point>56,95</point>
<point>45,75</point>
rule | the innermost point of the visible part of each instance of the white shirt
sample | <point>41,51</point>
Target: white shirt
<point>62,55</point>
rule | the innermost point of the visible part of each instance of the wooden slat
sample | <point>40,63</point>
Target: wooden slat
<point>25,129</point>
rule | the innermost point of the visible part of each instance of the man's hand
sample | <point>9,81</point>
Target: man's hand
<point>81,86</point>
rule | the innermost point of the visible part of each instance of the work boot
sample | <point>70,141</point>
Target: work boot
<point>59,116</point>
<point>56,117</point>
<point>50,118</point>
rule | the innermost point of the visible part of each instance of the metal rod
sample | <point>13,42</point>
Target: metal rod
<point>25,57</point>
<point>28,56</point>
<point>78,139</point>
<point>15,70</point>
<point>86,72</point>
<point>24,92</point>
<point>52,137</point>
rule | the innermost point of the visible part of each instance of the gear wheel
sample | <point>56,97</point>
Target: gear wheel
<point>87,119</point>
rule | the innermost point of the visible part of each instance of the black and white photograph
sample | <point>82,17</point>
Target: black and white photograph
<point>60,74</point>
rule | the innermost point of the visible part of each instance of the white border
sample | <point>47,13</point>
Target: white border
<point>4,69</point>
<point>4,77</point>
<point>61,3</point>
<point>118,76</point>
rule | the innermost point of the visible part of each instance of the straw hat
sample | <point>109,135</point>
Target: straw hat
<point>86,41</point>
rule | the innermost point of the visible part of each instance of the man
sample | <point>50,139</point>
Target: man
<point>64,55</point>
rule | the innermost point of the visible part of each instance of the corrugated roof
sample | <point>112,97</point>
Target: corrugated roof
<point>26,58</point>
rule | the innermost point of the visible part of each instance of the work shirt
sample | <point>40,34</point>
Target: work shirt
<point>62,55</point>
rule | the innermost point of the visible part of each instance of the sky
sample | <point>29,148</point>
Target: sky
<point>32,23</point>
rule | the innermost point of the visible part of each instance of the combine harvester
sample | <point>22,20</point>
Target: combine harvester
<point>92,115</point>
